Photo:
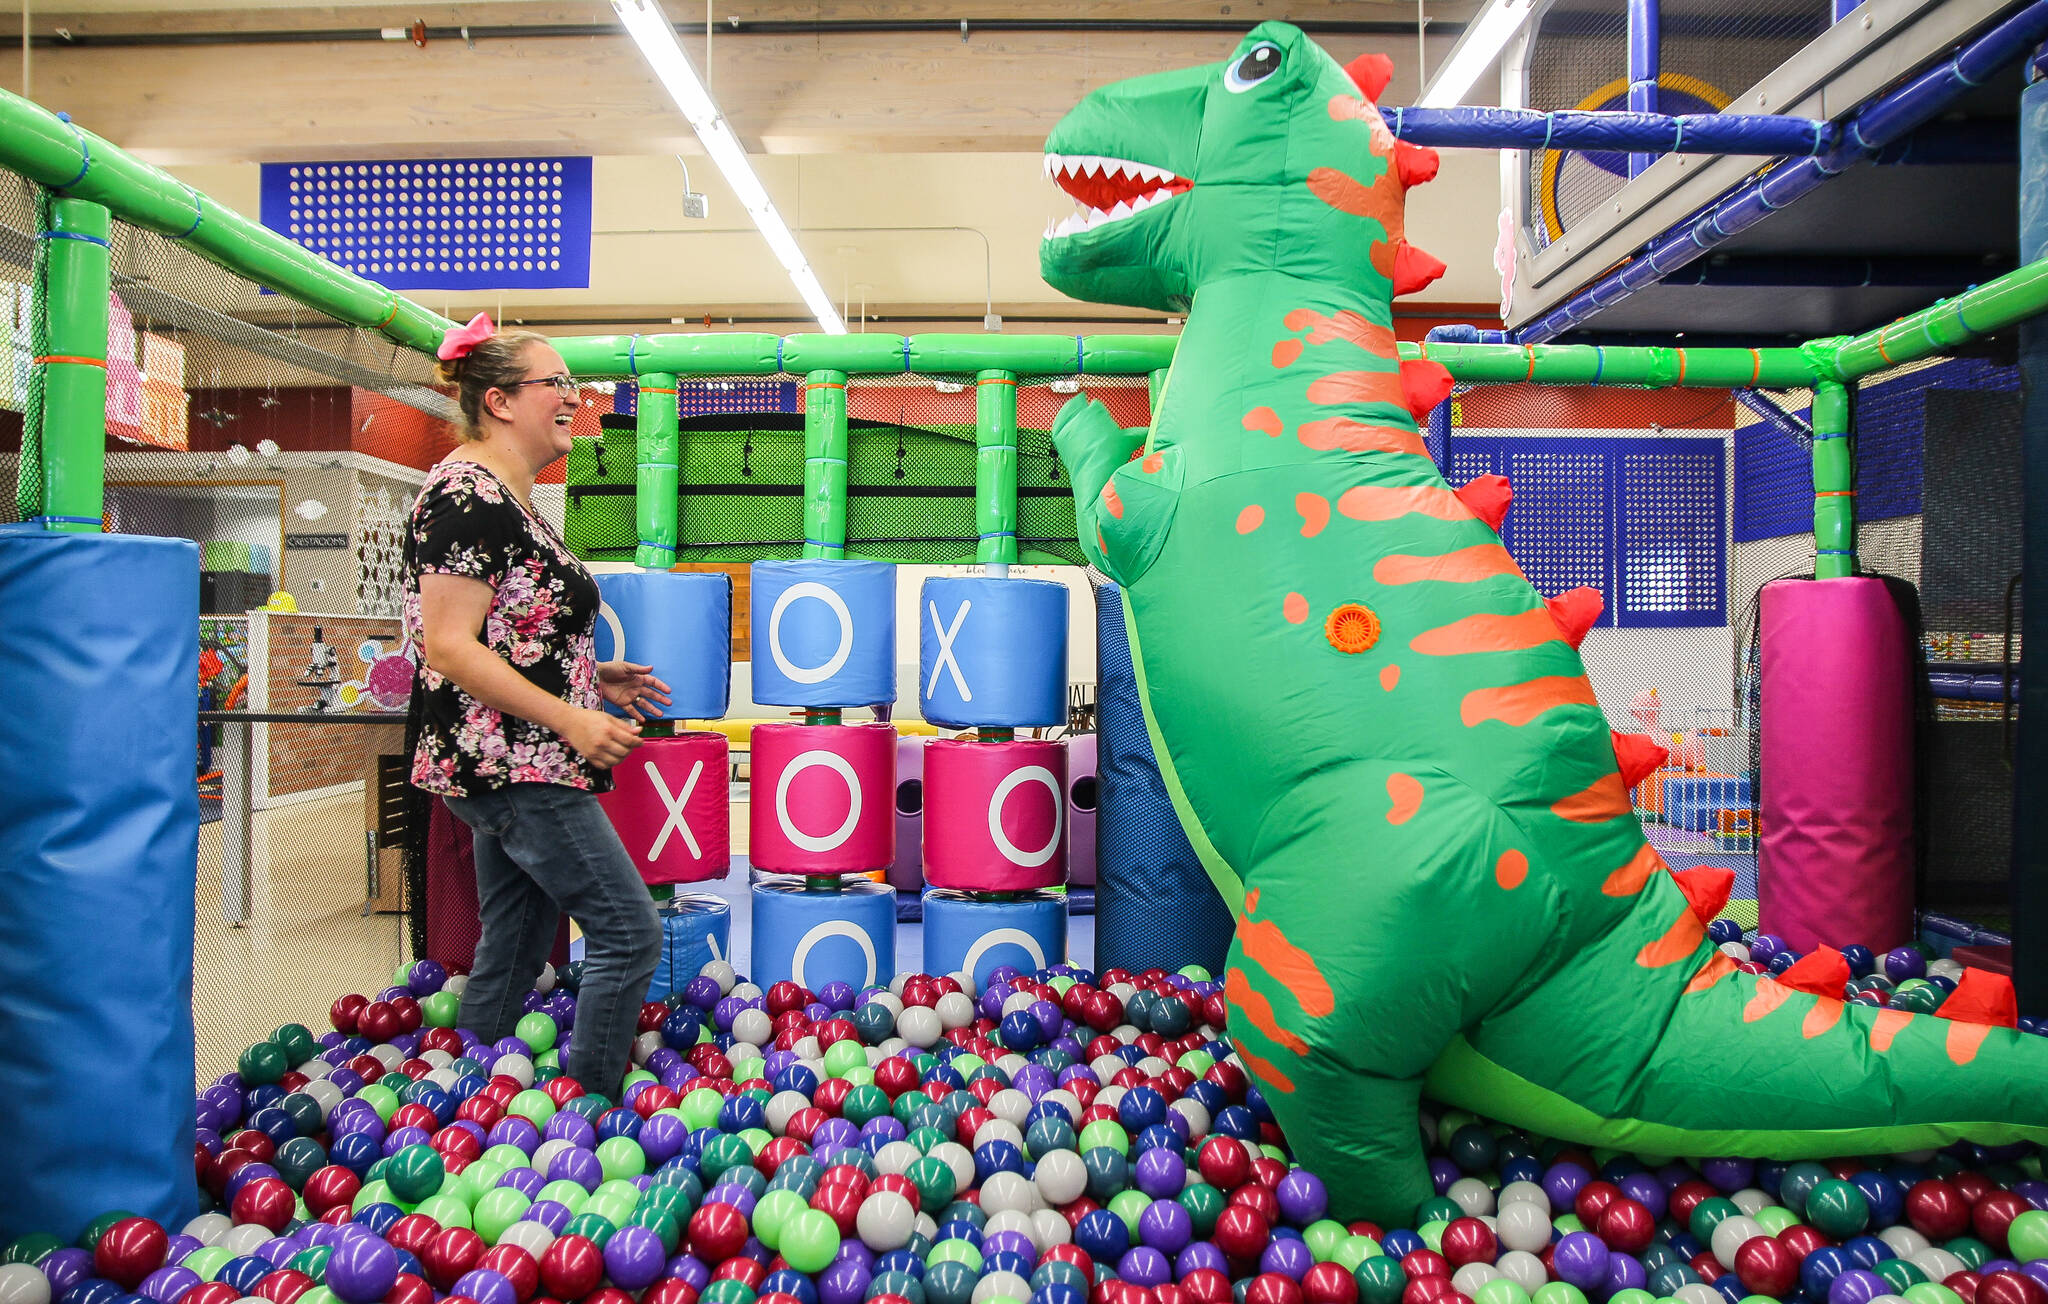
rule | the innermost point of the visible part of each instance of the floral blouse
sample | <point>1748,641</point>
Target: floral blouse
<point>466,522</point>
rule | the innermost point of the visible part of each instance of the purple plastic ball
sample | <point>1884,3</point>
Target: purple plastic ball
<point>688,1268</point>
<point>1625,1272</point>
<point>362,1269</point>
<point>1303,1198</point>
<point>1647,1191</point>
<point>1145,1266</point>
<point>1442,1172</point>
<point>578,1166</point>
<point>1903,962</point>
<point>523,1180</point>
<point>425,978</point>
<point>65,1268</point>
<point>1166,1226</point>
<point>1728,1175</point>
<point>1199,1254</point>
<point>166,1285</point>
<point>514,1130</point>
<point>1160,1173</point>
<point>1581,1258</point>
<point>551,1214</point>
<point>573,1128</point>
<point>488,1287</point>
<point>1287,1256</point>
<point>1561,1183</point>
<point>844,1281</point>
<point>1857,1286</point>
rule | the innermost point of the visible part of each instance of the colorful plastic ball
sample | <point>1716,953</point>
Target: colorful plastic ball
<point>1766,1266</point>
<point>1468,1240</point>
<point>1580,1259</point>
<point>131,1249</point>
<point>1937,1209</point>
<point>362,1269</point>
<point>1903,962</point>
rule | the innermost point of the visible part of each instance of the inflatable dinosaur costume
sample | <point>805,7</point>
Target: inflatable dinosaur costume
<point>1380,739</point>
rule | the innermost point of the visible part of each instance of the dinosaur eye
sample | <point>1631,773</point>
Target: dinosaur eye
<point>1262,62</point>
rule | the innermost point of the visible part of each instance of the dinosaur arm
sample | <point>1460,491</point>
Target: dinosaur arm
<point>1092,446</point>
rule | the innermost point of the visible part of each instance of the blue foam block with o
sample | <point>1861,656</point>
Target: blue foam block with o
<point>815,937</point>
<point>99,649</point>
<point>680,624</point>
<point>824,633</point>
<point>992,652</point>
<point>1028,932</point>
<point>696,928</point>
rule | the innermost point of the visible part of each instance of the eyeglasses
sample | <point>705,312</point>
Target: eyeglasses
<point>564,385</point>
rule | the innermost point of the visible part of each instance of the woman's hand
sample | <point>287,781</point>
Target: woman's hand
<point>632,688</point>
<point>601,739</point>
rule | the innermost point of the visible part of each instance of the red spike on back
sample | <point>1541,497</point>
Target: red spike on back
<point>1417,164</point>
<point>1414,269</point>
<point>1982,996</point>
<point>1487,497</point>
<point>1371,72</point>
<point>1820,972</point>
<point>1424,384</point>
<point>1575,611</point>
<point>1638,755</point>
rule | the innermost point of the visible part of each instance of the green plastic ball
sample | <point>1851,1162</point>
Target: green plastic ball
<point>312,1261</point>
<point>441,1009</point>
<point>1973,1252</point>
<point>1129,1205</point>
<point>1440,1208</point>
<point>1380,1280</point>
<point>1711,1213</point>
<point>2027,1236</point>
<point>1837,1209</point>
<point>1558,1292</point>
<point>811,1240</point>
<point>1432,1234</point>
<point>589,1225</point>
<point>89,1239</point>
<point>296,1041</point>
<point>728,1290</point>
<point>621,1157</point>
<point>1899,1274</point>
<point>659,1221</point>
<point>1323,1237</point>
<point>565,1193</point>
<point>416,1172</point>
<point>374,1191</point>
<point>1502,1290</point>
<point>30,1249</point>
<point>933,1179</point>
<point>956,1250</point>
<point>496,1210</point>
<point>1103,1133</point>
<point>262,1063</point>
<point>446,1210</point>
<point>207,1261</point>
<point>844,1055</point>
<point>536,1030</point>
<point>1930,1292</point>
<point>1204,1204</point>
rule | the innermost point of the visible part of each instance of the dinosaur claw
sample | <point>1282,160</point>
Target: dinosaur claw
<point>1706,890</point>
<point>1575,611</point>
<point>1424,384</point>
<point>1638,756</point>
<point>1414,269</point>
<point>1982,996</point>
<point>1487,497</point>
<point>1820,972</point>
<point>1371,72</point>
<point>1417,164</point>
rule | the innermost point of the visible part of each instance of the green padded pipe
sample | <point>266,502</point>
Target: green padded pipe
<point>1834,491</point>
<point>1976,312</point>
<point>825,462</point>
<point>995,469</point>
<point>1642,368</point>
<point>656,473</point>
<point>74,433</point>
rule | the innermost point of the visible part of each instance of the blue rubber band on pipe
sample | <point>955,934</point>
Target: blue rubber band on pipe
<point>1599,363</point>
<point>1000,534</point>
<point>198,213</point>
<point>632,346</point>
<point>1080,358</point>
<point>72,235</point>
<point>665,547</point>
<point>906,353</point>
<point>1836,552</point>
<point>85,147</point>
<point>778,355</point>
<point>1549,126</point>
<point>65,520</point>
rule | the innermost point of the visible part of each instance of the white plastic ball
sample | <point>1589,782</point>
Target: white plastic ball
<point>544,1155</point>
<point>1010,1063</point>
<point>1697,1293</point>
<point>927,1227</point>
<point>643,1045</point>
<point>721,973</point>
<point>897,983</point>
<point>920,1027</point>
<point>1010,1105</point>
<point>753,1027</point>
<point>1523,1193</point>
<point>746,991</point>
<point>1905,1241</point>
<point>783,1106</point>
<point>208,1228</point>
<point>1069,1102</point>
<point>388,1055</point>
<point>896,1157</point>
<point>1937,1263</point>
<point>322,1093</point>
<point>955,1010</point>
<point>1061,1177</point>
<point>317,1069</point>
<point>961,1160</point>
<point>808,1050</point>
<point>1110,1096</point>
<point>1105,1067</point>
<point>889,1001</point>
<point>966,981</point>
<point>519,1068</point>
<point>1474,1197</point>
<point>1735,950</point>
<point>997,1129</point>
<point>244,1239</point>
<point>1018,1001</point>
<point>1887,1299</point>
<point>459,984</point>
<point>1123,991</point>
<point>22,1283</point>
<point>1729,1236</point>
<point>891,1047</point>
<point>437,1058</point>
<point>1472,1276</point>
<point>1197,1117</point>
<point>1750,1201</point>
<point>1049,1227</point>
<point>1152,1066</point>
<point>1127,1033</point>
<point>529,1236</point>
<point>884,1221</point>
<point>1008,1192</point>
<point>1001,1285</point>
<point>1015,1220</point>
<point>1524,1226</point>
<point>1524,1269</point>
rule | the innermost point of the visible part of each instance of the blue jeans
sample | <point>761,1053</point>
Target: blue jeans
<point>542,848</point>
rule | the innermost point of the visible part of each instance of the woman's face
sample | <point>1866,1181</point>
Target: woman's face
<point>538,409</point>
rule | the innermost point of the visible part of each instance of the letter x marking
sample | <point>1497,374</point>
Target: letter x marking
<point>675,823</point>
<point>946,661</point>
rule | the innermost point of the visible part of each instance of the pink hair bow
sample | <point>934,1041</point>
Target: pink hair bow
<point>459,343</point>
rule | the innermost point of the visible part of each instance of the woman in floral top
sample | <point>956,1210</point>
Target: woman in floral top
<point>513,735</point>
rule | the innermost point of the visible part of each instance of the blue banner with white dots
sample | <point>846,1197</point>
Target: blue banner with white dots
<point>440,224</point>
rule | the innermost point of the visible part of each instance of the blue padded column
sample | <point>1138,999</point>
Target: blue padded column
<point>679,623</point>
<point>99,648</point>
<point>1154,903</point>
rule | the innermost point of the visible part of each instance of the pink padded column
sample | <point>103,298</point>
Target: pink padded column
<point>1835,864</point>
<point>823,798</point>
<point>670,803</point>
<point>994,815</point>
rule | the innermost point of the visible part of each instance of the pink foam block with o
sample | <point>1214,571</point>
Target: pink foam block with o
<point>1835,864</point>
<point>671,806</point>
<point>823,798</point>
<point>994,815</point>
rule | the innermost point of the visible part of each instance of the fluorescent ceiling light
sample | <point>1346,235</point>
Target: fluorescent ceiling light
<point>656,38</point>
<point>1485,37</point>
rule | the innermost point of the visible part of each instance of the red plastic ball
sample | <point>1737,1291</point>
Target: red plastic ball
<point>1973,1186</point>
<point>841,1203</point>
<point>572,1266</point>
<point>345,1011</point>
<point>452,1252</point>
<point>1992,1215</point>
<point>135,1247</point>
<point>1468,1240</point>
<point>1103,1011</point>
<point>1592,1199</point>
<point>1425,1263</point>
<point>1428,1290</point>
<point>379,1022</point>
<point>1705,1266</point>
<point>670,1290</point>
<point>1937,1210</point>
<point>717,1232</point>
<point>2009,1287</point>
<point>516,1266</point>
<point>1626,1225</point>
<point>609,1295</point>
<point>1241,1232</point>
<point>410,1288</point>
<point>1329,1283</point>
<point>895,1076</point>
<point>831,1094</point>
<point>1686,1197</point>
<point>1267,1172</point>
<point>741,1269</point>
<point>1803,1240</point>
<point>564,1089</point>
<point>1259,1199</point>
<point>1272,1288</point>
<point>1965,1284</point>
<point>1766,1266</point>
<point>1206,1286</point>
<point>283,1286</point>
<point>415,1115</point>
<point>252,1142</point>
<point>267,1202</point>
<point>408,1011</point>
<point>211,1292</point>
<point>338,1216</point>
<point>330,1186</point>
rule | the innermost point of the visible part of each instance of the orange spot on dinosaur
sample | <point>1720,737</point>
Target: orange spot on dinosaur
<point>1342,433</point>
<point>1885,1028</point>
<point>1629,879</point>
<point>1347,194</point>
<point>1511,869</point>
<point>1265,1071</point>
<point>1237,989</point>
<point>1315,513</point>
<point>1405,791</point>
<point>1825,1014</point>
<point>1518,704</point>
<point>1251,518</point>
<point>1358,387</point>
<point>1344,325</point>
<point>1264,420</point>
<point>1349,108</point>
<point>1110,500</point>
<point>1770,994</point>
<point>1152,463</point>
<point>1482,561</point>
<point>1286,351</point>
<point>1295,969</point>
<point>1711,972</point>
<point>1389,676</point>
<point>1679,941</point>
<point>1965,1039</point>
<point>1371,502</point>
<point>1606,799</point>
<point>1295,608</point>
<point>1488,633</point>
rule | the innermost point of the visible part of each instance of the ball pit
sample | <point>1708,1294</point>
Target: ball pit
<point>1060,1138</point>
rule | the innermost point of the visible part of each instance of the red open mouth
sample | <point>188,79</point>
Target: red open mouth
<point>1109,189</point>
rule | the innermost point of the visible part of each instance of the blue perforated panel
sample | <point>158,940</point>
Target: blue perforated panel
<point>1773,483</point>
<point>441,224</point>
<point>1638,519</point>
<point>696,398</point>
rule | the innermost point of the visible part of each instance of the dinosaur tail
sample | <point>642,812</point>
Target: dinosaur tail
<point>1747,1065</point>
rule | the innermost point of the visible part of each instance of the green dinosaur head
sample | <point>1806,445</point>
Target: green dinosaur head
<point>1275,159</point>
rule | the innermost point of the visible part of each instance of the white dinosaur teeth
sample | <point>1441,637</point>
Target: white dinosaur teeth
<point>1144,171</point>
<point>1121,210</point>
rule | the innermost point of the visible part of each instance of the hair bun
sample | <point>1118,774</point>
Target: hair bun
<point>448,371</point>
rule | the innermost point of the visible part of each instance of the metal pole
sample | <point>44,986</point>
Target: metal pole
<point>995,470</point>
<point>74,363</point>
<point>2030,755</point>
<point>657,472</point>
<point>237,822</point>
<point>1834,492</point>
<point>824,395</point>
<point>1643,37</point>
